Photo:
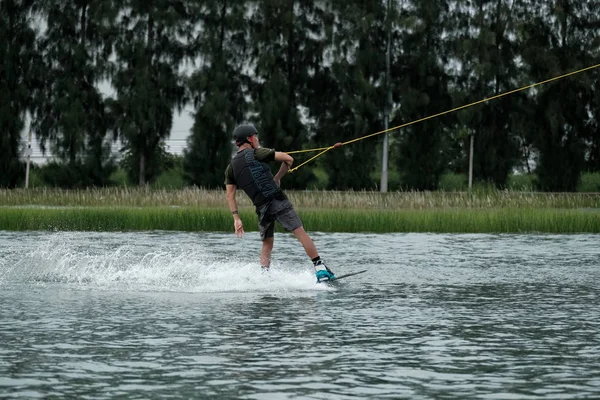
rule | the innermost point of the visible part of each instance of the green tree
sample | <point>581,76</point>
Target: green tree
<point>153,40</point>
<point>346,93</point>
<point>218,89</point>
<point>421,88</point>
<point>19,63</point>
<point>288,42</point>
<point>70,112</point>
<point>593,154</point>
<point>485,50</point>
<point>557,39</point>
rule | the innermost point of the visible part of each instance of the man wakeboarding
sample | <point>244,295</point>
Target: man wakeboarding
<point>249,171</point>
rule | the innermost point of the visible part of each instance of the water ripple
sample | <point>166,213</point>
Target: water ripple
<point>190,315</point>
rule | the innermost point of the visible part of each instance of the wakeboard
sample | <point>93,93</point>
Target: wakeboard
<point>338,277</point>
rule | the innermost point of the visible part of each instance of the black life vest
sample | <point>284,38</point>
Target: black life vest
<point>254,178</point>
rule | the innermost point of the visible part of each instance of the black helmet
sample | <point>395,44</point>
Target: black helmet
<point>242,132</point>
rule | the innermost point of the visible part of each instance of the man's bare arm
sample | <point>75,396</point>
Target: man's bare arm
<point>286,164</point>
<point>237,221</point>
<point>284,157</point>
<point>231,189</point>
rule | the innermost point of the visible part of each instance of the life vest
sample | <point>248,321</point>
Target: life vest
<point>254,178</point>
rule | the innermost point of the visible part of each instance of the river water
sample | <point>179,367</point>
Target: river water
<point>190,315</point>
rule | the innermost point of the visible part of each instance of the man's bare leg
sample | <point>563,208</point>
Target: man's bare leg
<point>323,273</point>
<point>307,243</point>
<point>265,253</point>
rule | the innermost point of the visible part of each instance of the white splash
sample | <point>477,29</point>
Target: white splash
<point>128,267</point>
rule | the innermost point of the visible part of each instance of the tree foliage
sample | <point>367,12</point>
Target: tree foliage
<point>422,90</point>
<point>218,88</point>
<point>553,40</point>
<point>307,74</point>
<point>484,45</point>
<point>19,61</point>
<point>70,114</point>
<point>351,87</point>
<point>152,41</point>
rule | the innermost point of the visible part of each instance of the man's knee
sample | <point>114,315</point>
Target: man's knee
<point>299,231</point>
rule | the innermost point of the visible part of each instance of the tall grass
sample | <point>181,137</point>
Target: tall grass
<point>191,209</point>
<point>193,197</point>
<point>494,220</point>
<point>456,221</point>
<point>113,219</point>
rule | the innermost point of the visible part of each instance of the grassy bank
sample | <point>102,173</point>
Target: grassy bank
<point>489,220</point>
<point>126,209</point>
<point>192,197</point>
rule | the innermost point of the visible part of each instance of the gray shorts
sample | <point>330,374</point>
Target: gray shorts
<point>281,211</point>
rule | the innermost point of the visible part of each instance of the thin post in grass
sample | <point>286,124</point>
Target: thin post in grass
<point>471,140</point>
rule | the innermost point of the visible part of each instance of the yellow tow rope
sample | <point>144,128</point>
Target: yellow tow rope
<point>324,150</point>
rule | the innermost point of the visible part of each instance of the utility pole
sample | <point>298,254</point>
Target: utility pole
<point>388,104</point>
<point>28,153</point>
<point>471,140</point>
